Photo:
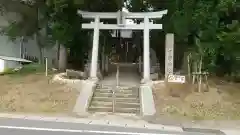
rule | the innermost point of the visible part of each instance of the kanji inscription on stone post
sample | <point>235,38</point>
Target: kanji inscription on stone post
<point>169,54</point>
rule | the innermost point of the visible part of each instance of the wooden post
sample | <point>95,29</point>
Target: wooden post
<point>140,65</point>
<point>103,57</point>
<point>189,67</point>
<point>200,75</point>
<point>117,75</point>
<point>46,66</point>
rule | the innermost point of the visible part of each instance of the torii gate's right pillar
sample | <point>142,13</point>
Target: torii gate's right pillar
<point>146,51</point>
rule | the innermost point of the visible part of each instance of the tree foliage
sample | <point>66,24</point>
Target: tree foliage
<point>208,28</point>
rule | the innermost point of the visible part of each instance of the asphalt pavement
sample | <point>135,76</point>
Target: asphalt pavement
<point>12,126</point>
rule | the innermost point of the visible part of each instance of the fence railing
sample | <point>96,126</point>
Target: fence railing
<point>117,87</point>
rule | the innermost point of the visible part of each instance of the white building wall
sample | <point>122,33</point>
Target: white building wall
<point>52,55</point>
<point>8,64</point>
<point>30,48</point>
<point>11,64</point>
<point>2,65</point>
<point>9,48</point>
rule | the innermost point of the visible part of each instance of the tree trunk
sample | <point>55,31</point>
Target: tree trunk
<point>200,76</point>
<point>62,61</point>
<point>40,55</point>
<point>21,47</point>
<point>38,40</point>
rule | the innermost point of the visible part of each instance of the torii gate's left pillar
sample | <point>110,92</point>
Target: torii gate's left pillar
<point>94,60</point>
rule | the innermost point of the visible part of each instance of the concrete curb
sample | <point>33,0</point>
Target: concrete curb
<point>109,122</point>
<point>119,123</point>
<point>207,131</point>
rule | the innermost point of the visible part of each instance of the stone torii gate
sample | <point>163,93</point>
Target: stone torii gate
<point>146,26</point>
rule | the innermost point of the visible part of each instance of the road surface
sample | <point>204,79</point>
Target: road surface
<point>9,126</point>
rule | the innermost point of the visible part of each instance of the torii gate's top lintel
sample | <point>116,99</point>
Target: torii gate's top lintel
<point>129,15</point>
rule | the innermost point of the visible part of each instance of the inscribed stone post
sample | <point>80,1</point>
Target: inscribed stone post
<point>169,54</point>
<point>153,60</point>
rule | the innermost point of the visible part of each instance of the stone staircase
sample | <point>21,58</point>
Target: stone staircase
<point>126,100</point>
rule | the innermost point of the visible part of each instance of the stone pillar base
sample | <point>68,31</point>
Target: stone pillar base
<point>147,102</point>
<point>94,79</point>
<point>84,98</point>
<point>146,81</point>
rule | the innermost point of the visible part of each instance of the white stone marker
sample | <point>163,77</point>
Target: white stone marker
<point>169,54</point>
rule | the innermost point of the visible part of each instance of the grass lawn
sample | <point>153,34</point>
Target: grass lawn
<point>221,102</point>
<point>33,92</point>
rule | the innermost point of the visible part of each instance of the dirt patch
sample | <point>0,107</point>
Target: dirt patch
<point>35,94</point>
<point>221,102</point>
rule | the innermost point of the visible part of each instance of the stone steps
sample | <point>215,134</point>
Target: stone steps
<point>126,100</point>
<point>117,104</point>
<point>120,95</point>
<point>118,91</point>
<point>129,100</point>
<point>110,109</point>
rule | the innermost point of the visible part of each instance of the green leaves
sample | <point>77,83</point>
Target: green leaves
<point>214,24</point>
<point>211,24</point>
<point>230,38</point>
<point>26,23</point>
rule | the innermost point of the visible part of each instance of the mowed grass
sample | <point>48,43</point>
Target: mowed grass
<point>221,102</point>
<point>30,91</point>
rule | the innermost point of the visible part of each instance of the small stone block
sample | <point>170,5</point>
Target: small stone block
<point>162,127</point>
<point>33,117</point>
<point>99,122</point>
<point>118,123</point>
<point>5,115</point>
